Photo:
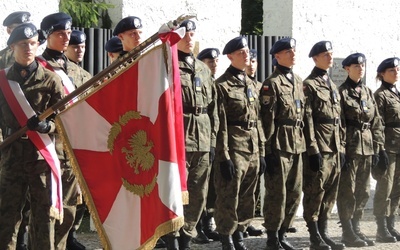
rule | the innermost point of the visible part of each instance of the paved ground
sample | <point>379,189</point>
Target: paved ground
<point>299,239</point>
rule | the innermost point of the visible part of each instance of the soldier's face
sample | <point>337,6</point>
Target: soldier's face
<point>324,60</point>
<point>25,50</point>
<point>130,38</point>
<point>286,57</point>
<point>186,44</point>
<point>391,75</point>
<point>240,58</point>
<point>356,71</point>
<point>59,40</point>
<point>212,64</point>
<point>252,68</point>
<point>76,52</point>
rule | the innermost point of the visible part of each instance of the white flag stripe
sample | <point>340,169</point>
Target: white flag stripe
<point>93,128</point>
<point>151,85</point>
<point>123,222</point>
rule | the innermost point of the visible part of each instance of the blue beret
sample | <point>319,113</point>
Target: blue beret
<point>253,54</point>
<point>77,37</point>
<point>235,44</point>
<point>282,44</point>
<point>56,21</point>
<point>355,58</point>
<point>22,32</point>
<point>320,47</point>
<point>128,23</point>
<point>114,45</point>
<point>210,53</point>
<point>17,17</point>
<point>189,25</point>
<point>388,63</point>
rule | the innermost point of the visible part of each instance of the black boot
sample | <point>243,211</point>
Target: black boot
<point>172,242</point>
<point>316,241</point>
<point>349,237</point>
<point>323,231</point>
<point>208,228</point>
<point>21,239</point>
<point>184,241</point>
<point>357,230</point>
<point>254,231</point>
<point>73,243</point>
<point>238,240</point>
<point>201,237</point>
<point>382,233</point>
<point>273,241</point>
<point>390,225</point>
<point>227,242</point>
<point>282,239</point>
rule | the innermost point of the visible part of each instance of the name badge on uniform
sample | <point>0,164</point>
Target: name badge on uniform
<point>334,97</point>
<point>250,95</point>
<point>298,106</point>
<point>197,84</point>
<point>364,106</point>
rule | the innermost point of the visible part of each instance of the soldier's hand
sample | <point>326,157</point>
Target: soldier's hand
<point>212,155</point>
<point>375,160</point>
<point>271,163</point>
<point>263,166</point>
<point>35,124</point>
<point>342,160</point>
<point>383,160</point>
<point>315,162</point>
<point>227,170</point>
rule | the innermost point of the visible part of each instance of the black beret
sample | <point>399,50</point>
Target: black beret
<point>253,54</point>
<point>22,32</point>
<point>77,37</point>
<point>17,17</point>
<point>355,58</point>
<point>235,44</point>
<point>320,47</point>
<point>210,53</point>
<point>114,45</point>
<point>282,44</point>
<point>56,21</point>
<point>388,63</point>
<point>128,23</point>
<point>274,61</point>
<point>189,25</point>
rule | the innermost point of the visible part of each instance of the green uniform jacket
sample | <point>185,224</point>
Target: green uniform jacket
<point>327,134</point>
<point>389,108</point>
<point>201,128</point>
<point>235,105</point>
<point>6,58</point>
<point>362,108</point>
<point>278,106</point>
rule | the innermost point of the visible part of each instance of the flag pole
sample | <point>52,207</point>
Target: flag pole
<point>98,78</point>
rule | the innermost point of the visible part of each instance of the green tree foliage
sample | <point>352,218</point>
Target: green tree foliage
<point>252,17</point>
<point>86,13</point>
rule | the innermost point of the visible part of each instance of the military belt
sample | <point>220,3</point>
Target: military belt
<point>10,131</point>
<point>360,125</point>
<point>197,110</point>
<point>392,125</point>
<point>334,121</point>
<point>245,125</point>
<point>289,122</point>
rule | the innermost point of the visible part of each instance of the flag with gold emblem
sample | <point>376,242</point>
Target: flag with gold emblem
<point>126,143</point>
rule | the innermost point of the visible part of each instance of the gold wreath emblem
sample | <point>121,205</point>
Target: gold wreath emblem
<point>138,156</point>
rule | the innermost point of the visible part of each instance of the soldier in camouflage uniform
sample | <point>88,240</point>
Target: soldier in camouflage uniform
<point>129,31</point>
<point>282,110</point>
<point>325,148</point>
<point>11,21</point>
<point>57,30</point>
<point>387,192</point>
<point>200,123</point>
<point>240,147</point>
<point>364,147</point>
<point>24,170</point>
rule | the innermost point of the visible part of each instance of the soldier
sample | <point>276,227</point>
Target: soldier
<point>210,57</point>
<point>364,147</point>
<point>240,147</point>
<point>113,48</point>
<point>25,170</point>
<point>387,197</point>
<point>283,108</point>
<point>325,147</point>
<point>11,21</point>
<point>56,28</point>
<point>200,124</point>
<point>129,30</point>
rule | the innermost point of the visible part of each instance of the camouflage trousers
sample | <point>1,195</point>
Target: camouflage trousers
<point>354,187</point>
<point>283,191</point>
<point>70,199</point>
<point>387,192</point>
<point>16,180</point>
<point>198,173</point>
<point>320,188</point>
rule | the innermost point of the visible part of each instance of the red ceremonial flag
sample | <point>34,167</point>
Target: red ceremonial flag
<point>126,144</point>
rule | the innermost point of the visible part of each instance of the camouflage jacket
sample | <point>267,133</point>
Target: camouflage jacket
<point>6,58</point>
